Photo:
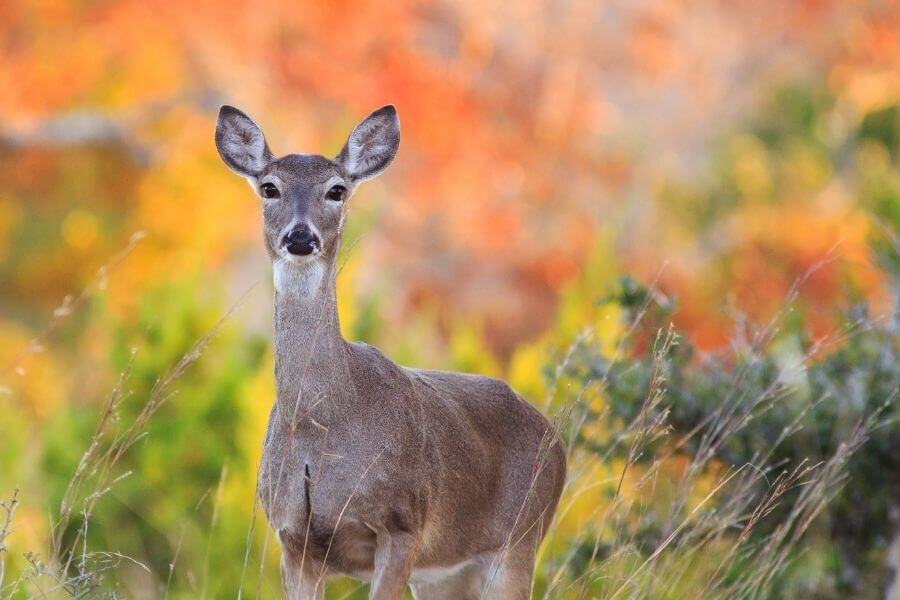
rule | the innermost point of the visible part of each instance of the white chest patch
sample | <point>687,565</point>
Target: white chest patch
<point>303,280</point>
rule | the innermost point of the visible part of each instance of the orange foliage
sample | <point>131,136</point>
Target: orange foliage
<point>516,145</point>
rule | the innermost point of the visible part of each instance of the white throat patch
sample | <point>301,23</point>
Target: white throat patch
<point>298,280</point>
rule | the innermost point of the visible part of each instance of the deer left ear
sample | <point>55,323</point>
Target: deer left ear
<point>241,142</point>
<point>372,145</point>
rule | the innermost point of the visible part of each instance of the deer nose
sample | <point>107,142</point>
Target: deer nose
<point>301,242</point>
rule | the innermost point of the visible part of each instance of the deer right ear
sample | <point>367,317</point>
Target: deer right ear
<point>241,142</point>
<point>372,145</point>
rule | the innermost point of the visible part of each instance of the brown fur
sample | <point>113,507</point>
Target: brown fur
<point>443,481</point>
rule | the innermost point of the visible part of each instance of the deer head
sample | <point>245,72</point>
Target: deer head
<point>304,196</point>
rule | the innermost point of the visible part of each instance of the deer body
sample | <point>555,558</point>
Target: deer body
<point>443,481</point>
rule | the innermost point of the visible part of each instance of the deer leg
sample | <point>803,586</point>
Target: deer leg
<point>508,576</point>
<point>465,585</point>
<point>301,583</point>
<point>509,583</point>
<point>394,557</point>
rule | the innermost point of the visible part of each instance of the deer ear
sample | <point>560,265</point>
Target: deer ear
<point>372,145</point>
<point>241,142</point>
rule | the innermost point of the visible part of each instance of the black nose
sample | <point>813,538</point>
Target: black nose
<point>301,242</point>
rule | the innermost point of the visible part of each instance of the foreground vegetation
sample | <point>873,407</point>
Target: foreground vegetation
<point>768,471</point>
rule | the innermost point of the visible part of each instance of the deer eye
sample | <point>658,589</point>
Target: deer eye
<point>336,193</point>
<point>268,190</point>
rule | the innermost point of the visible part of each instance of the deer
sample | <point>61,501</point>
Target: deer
<point>442,482</point>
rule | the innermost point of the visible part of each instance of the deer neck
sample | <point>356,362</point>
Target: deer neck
<point>310,353</point>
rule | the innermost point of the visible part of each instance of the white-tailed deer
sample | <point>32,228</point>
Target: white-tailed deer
<point>443,481</point>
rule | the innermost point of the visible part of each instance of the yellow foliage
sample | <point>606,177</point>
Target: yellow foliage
<point>750,168</point>
<point>469,351</point>
<point>807,169</point>
<point>30,375</point>
<point>257,402</point>
<point>525,371</point>
<point>597,429</point>
<point>587,497</point>
<point>347,296</point>
<point>80,230</point>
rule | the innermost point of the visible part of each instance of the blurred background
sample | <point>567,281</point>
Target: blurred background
<point>562,163</point>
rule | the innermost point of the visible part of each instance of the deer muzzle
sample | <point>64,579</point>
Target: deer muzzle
<point>302,241</point>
